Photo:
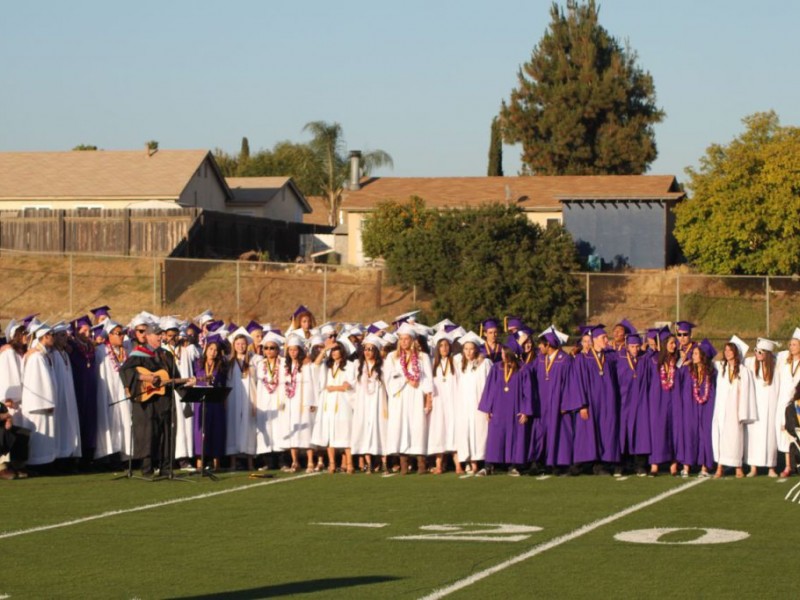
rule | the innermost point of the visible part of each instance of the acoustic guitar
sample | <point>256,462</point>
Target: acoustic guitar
<point>147,390</point>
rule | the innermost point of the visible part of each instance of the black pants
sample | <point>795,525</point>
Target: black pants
<point>14,442</point>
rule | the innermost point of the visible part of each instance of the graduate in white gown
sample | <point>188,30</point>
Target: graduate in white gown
<point>371,410</point>
<point>65,417</point>
<point>410,387</point>
<point>187,352</point>
<point>441,423</point>
<point>334,426</point>
<point>11,369</point>
<point>761,445</point>
<point>735,407</point>
<point>241,405</point>
<point>472,426</point>
<point>38,401</point>
<point>299,393</point>
<point>113,405</point>
<point>268,395</point>
<point>788,370</point>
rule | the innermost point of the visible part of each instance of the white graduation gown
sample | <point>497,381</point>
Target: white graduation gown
<point>788,376</point>
<point>734,407</point>
<point>761,446</point>
<point>113,407</point>
<point>472,426</point>
<point>334,426</point>
<point>295,419</point>
<point>65,417</point>
<point>184,416</point>
<point>441,422</point>
<point>11,381</point>
<point>268,400</point>
<point>37,404</point>
<point>408,424</point>
<point>370,413</point>
<point>240,420</point>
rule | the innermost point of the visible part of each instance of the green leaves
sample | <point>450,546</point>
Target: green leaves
<point>478,262</point>
<point>743,214</point>
<point>582,105</point>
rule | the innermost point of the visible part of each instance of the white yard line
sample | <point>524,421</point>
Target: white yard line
<point>366,525</point>
<point>114,513</point>
<point>562,539</point>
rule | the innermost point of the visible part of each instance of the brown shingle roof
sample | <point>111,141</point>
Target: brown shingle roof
<point>318,214</point>
<point>97,174</point>
<point>531,193</point>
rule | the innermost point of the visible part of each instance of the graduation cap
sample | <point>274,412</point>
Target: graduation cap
<point>707,348</point>
<point>490,323</point>
<point>31,326</point>
<point>299,312</point>
<point>406,329</point>
<point>740,344</point>
<point>232,326</point>
<point>442,335</point>
<point>97,331</point>
<point>685,326</point>
<point>373,340</point>
<point>11,329</point>
<point>27,320</point>
<point>444,323</point>
<point>240,331</point>
<point>82,321</point>
<point>766,345</point>
<point>295,341</point>
<point>253,326</point>
<point>470,338</point>
<point>214,338</point>
<point>796,333</point>
<point>633,338</point>
<point>390,338</point>
<point>215,326</point>
<point>170,322</point>
<point>204,317</point>
<point>597,330</point>
<point>41,329</point>
<point>456,331</point>
<point>273,338</point>
<point>377,326</point>
<point>315,340</point>
<point>584,330</point>
<point>627,326</point>
<point>400,319</point>
<point>100,311</point>
<point>110,325</point>
<point>356,330</point>
<point>515,322</point>
<point>349,347</point>
<point>62,327</point>
<point>328,329</point>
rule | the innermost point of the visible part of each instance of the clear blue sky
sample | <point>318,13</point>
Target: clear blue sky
<point>420,79</point>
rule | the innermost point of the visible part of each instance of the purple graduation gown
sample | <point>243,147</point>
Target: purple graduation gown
<point>84,374</point>
<point>507,440</point>
<point>596,438</point>
<point>665,415</point>
<point>495,356</point>
<point>697,448</point>
<point>552,434</point>
<point>215,415</point>
<point>634,409</point>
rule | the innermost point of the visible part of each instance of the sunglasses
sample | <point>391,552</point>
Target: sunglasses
<point>270,347</point>
<point>141,331</point>
<point>682,334</point>
<point>369,349</point>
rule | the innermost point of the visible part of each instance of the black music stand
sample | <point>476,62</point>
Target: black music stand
<point>205,395</point>
<point>129,473</point>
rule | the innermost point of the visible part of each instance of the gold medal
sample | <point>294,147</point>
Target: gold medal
<point>505,389</point>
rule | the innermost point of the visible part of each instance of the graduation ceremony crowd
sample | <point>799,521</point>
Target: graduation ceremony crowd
<point>344,397</point>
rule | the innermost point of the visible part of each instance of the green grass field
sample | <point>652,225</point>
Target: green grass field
<point>245,538</point>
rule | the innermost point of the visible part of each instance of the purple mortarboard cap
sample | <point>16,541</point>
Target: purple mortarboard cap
<point>627,326</point>
<point>100,311</point>
<point>685,326</point>
<point>300,311</point>
<point>373,329</point>
<point>232,326</point>
<point>633,338</point>
<point>552,338</point>
<point>98,331</point>
<point>664,333</point>
<point>653,333</point>
<point>253,326</point>
<point>584,330</point>
<point>214,339</point>
<point>597,330</point>
<point>27,320</point>
<point>512,322</point>
<point>490,323</point>
<point>214,325</point>
<point>523,332</point>
<point>81,321</point>
<point>449,328</point>
<point>708,348</point>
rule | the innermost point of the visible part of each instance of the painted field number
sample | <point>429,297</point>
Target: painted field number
<point>473,532</point>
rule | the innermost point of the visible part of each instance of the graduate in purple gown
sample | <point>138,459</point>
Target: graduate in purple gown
<point>665,400</point>
<point>508,401</point>
<point>685,343</point>
<point>594,377</point>
<point>512,325</point>
<point>84,373</point>
<point>698,391</point>
<point>552,433</point>
<point>633,377</point>
<point>491,348</point>
<point>210,371</point>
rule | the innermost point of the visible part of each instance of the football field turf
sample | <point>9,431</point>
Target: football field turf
<point>363,536</point>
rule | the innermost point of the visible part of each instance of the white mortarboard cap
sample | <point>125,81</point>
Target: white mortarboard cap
<point>169,322</point>
<point>796,334</point>
<point>374,340</point>
<point>356,329</point>
<point>379,325</point>
<point>41,329</point>
<point>458,332</point>
<point>271,336</point>
<point>204,317</point>
<point>315,340</point>
<point>562,337</point>
<point>61,327</point>
<point>442,335</point>
<point>471,338</point>
<point>740,344</point>
<point>442,324</point>
<point>295,341</point>
<point>422,329</point>
<point>390,338</point>
<point>766,345</point>
<point>36,322</point>
<point>109,324</point>
<point>11,328</point>
<point>143,318</point>
<point>327,329</point>
<point>406,316</point>
<point>407,329</point>
<point>348,346</point>
<point>240,331</point>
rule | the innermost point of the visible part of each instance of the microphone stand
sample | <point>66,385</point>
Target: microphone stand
<point>129,473</point>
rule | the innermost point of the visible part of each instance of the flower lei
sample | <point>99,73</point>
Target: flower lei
<point>270,378</point>
<point>413,375</point>
<point>667,376</point>
<point>696,383</point>
<point>291,384</point>
<point>114,358</point>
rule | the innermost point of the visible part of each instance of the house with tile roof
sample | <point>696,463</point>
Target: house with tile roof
<point>610,216</point>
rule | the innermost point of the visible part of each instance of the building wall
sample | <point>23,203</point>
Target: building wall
<point>285,206</point>
<point>632,233</point>
<point>543,218</point>
<point>204,190</point>
<point>355,247</point>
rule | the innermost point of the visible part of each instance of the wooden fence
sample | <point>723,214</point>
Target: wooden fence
<point>184,232</point>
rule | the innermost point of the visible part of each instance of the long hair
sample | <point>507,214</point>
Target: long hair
<point>233,360</point>
<point>329,362</point>
<point>378,363</point>
<point>769,367</point>
<point>219,362</point>
<point>437,361</point>
<point>737,360</point>
<point>706,362</point>
<point>510,357</point>
<point>664,356</point>
<point>464,360</point>
<point>301,358</point>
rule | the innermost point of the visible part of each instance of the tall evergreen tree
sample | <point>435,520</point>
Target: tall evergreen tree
<point>495,150</point>
<point>244,152</point>
<point>582,106</point>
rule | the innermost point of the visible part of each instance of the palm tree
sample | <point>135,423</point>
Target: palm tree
<point>331,166</point>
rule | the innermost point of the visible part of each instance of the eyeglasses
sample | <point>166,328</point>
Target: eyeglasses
<point>369,349</point>
<point>679,334</point>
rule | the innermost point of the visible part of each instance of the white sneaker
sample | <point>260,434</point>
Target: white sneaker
<point>482,473</point>
<point>512,472</point>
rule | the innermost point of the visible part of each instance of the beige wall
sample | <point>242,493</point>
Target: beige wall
<point>204,190</point>
<point>541,218</point>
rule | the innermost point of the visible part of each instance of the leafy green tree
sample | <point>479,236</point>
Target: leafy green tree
<point>743,212</point>
<point>495,150</point>
<point>389,220</point>
<point>228,165</point>
<point>582,105</point>
<point>244,156</point>
<point>330,166</point>
<point>480,262</point>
